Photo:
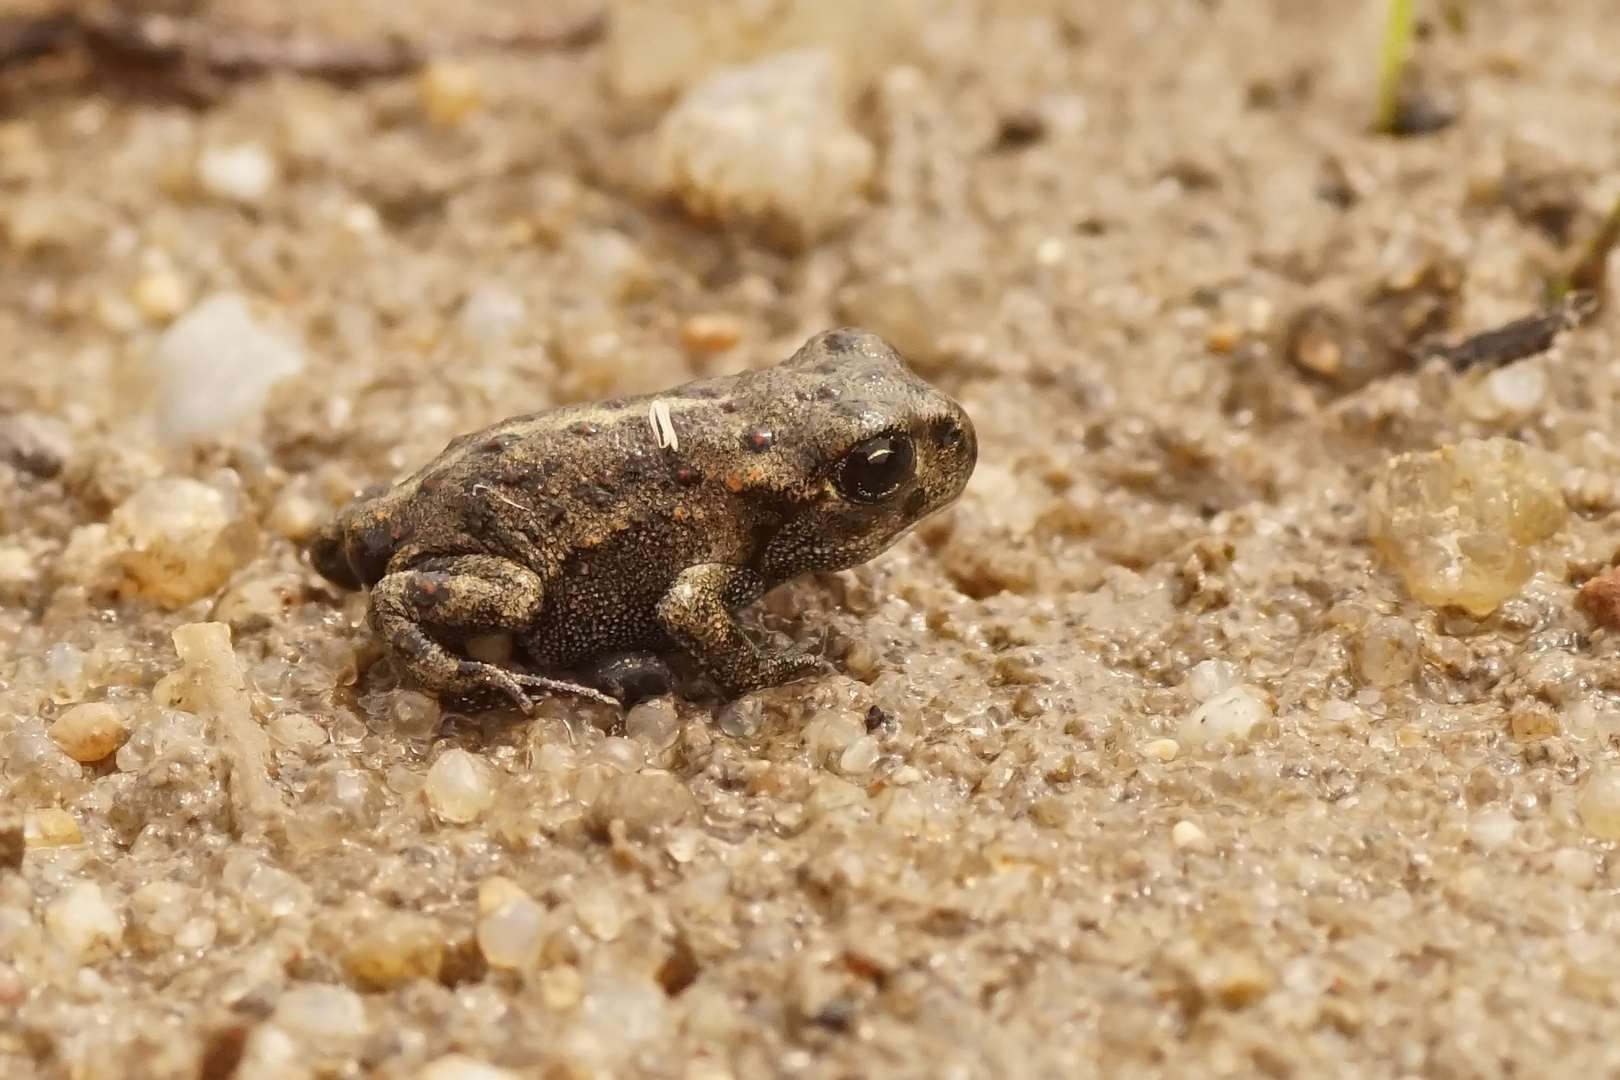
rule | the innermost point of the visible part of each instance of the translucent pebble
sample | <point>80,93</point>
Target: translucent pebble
<point>1492,830</point>
<point>161,295</point>
<point>1229,716</point>
<point>496,892</point>
<point>1388,652</point>
<point>1161,749</point>
<point>215,367</point>
<point>625,755</point>
<point>654,724</point>
<point>1575,866</point>
<point>1185,834</point>
<point>618,1015</point>
<point>656,46</point>
<point>84,922</point>
<point>449,91</point>
<point>331,1017</point>
<point>513,934</point>
<point>1518,388</point>
<point>1459,524</point>
<point>602,912</point>
<point>408,714</point>
<point>172,540</point>
<point>462,1067</point>
<point>272,893</point>
<point>64,672</point>
<point>1209,677</point>
<point>1504,395</point>
<point>742,717</point>
<point>460,786</point>
<point>562,988</point>
<point>1599,803</point>
<point>767,144</point>
<point>90,732</point>
<point>492,313</point>
<point>616,268</point>
<point>860,756</point>
<point>400,947</point>
<point>296,731</point>
<point>645,802</point>
<point>831,732</point>
<point>50,826</point>
<point>243,173</point>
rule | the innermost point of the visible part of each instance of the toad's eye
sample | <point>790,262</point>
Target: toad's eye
<point>875,469</point>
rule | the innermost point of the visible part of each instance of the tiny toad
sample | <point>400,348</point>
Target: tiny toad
<point>602,536</point>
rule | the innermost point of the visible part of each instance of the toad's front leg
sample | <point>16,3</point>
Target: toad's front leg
<point>696,613</point>
<point>413,610</point>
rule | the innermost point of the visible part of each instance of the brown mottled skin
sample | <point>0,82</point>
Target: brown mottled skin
<point>594,543</point>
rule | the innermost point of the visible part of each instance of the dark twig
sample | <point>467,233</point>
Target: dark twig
<point>1518,339</point>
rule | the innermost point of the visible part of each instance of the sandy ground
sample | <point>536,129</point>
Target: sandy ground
<point>995,844</point>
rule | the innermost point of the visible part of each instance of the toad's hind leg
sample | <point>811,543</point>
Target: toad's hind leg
<point>460,597</point>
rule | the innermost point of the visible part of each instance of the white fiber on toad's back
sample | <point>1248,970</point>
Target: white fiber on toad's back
<point>1234,721</point>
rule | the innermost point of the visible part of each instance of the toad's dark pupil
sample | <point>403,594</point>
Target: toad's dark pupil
<point>874,469</point>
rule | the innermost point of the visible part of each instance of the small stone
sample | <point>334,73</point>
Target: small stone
<point>1492,830</point>
<point>402,947</point>
<point>1531,720</point>
<point>710,335</point>
<point>50,827</point>
<point>85,922</point>
<point>243,174</point>
<point>767,145</point>
<point>64,672</point>
<point>1223,337</point>
<point>18,566</point>
<point>331,1017</point>
<point>492,313</point>
<point>1575,866</point>
<point>1186,834</point>
<point>613,264</point>
<point>653,723</point>
<point>1506,395</point>
<point>215,367</point>
<point>562,988</point>
<point>742,717</point>
<point>449,91</point>
<point>1229,716</point>
<point>1389,651</point>
<point>296,731</point>
<point>174,540</point>
<point>462,1067</point>
<point>1161,749</point>
<point>460,787</point>
<point>1599,803</point>
<point>496,892</point>
<point>659,46</point>
<point>602,912</point>
<point>645,802</point>
<point>513,934</point>
<point>161,295</point>
<point>1599,599</point>
<point>1459,524</point>
<point>1210,677</point>
<point>90,732</point>
<point>860,756</point>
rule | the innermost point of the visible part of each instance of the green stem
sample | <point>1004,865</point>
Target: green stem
<point>1397,44</point>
